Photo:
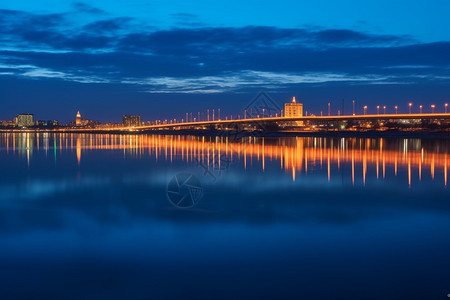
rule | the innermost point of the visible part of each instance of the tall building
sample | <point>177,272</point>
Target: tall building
<point>25,120</point>
<point>78,119</point>
<point>293,109</point>
<point>131,120</point>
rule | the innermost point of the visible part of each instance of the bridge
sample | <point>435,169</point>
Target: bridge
<point>262,122</point>
<point>268,123</point>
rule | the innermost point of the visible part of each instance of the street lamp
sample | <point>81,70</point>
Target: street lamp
<point>378,109</point>
<point>384,109</point>
<point>396,109</point>
<point>446,105</point>
<point>329,108</point>
<point>410,105</point>
<point>432,108</point>
<point>365,109</point>
<point>420,108</point>
<point>353,107</point>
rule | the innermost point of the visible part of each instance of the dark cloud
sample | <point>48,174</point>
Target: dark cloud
<point>86,8</point>
<point>187,20</point>
<point>115,50</point>
<point>109,25</point>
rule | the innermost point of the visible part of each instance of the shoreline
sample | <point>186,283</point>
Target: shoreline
<point>336,134</point>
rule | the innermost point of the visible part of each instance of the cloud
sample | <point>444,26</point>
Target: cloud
<point>240,80</point>
<point>86,8</point>
<point>190,59</point>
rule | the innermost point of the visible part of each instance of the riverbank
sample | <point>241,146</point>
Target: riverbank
<point>344,134</point>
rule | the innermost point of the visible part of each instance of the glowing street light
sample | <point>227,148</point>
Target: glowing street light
<point>365,109</point>
<point>329,108</point>
<point>396,109</point>
<point>353,107</point>
<point>384,109</point>
<point>410,105</point>
<point>446,105</point>
<point>378,109</point>
<point>420,108</point>
<point>432,108</point>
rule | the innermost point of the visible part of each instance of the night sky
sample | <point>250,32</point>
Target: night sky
<point>161,58</point>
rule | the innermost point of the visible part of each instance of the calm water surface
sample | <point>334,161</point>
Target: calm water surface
<point>88,216</point>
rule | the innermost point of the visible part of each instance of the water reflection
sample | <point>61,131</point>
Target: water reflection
<point>85,216</point>
<point>294,155</point>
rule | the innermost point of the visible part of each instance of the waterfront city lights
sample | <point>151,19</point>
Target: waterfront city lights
<point>410,105</point>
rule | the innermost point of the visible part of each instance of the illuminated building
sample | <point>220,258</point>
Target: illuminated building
<point>78,119</point>
<point>25,120</point>
<point>131,120</point>
<point>293,109</point>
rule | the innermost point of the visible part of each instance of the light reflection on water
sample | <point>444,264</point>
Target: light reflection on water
<point>296,155</point>
<point>86,216</point>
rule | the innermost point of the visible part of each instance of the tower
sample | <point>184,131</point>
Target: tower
<point>78,119</point>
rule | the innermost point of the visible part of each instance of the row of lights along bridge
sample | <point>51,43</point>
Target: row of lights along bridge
<point>211,113</point>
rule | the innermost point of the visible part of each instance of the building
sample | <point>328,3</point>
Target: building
<point>78,119</point>
<point>293,109</point>
<point>131,120</point>
<point>46,123</point>
<point>25,120</point>
<point>7,123</point>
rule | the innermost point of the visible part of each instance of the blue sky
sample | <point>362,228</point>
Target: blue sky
<point>162,58</point>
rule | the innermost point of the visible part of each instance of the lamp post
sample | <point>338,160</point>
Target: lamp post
<point>378,109</point>
<point>410,105</point>
<point>329,108</point>
<point>384,109</point>
<point>420,108</point>
<point>432,108</point>
<point>445,106</point>
<point>353,107</point>
<point>396,109</point>
<point>365,109</point>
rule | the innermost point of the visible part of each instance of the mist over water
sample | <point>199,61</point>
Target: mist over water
<point>99,215</point>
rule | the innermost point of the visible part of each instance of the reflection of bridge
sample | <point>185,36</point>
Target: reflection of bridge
<point>364,156</point>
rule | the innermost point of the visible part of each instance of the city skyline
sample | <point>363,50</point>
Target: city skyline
<point>111,60</point>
